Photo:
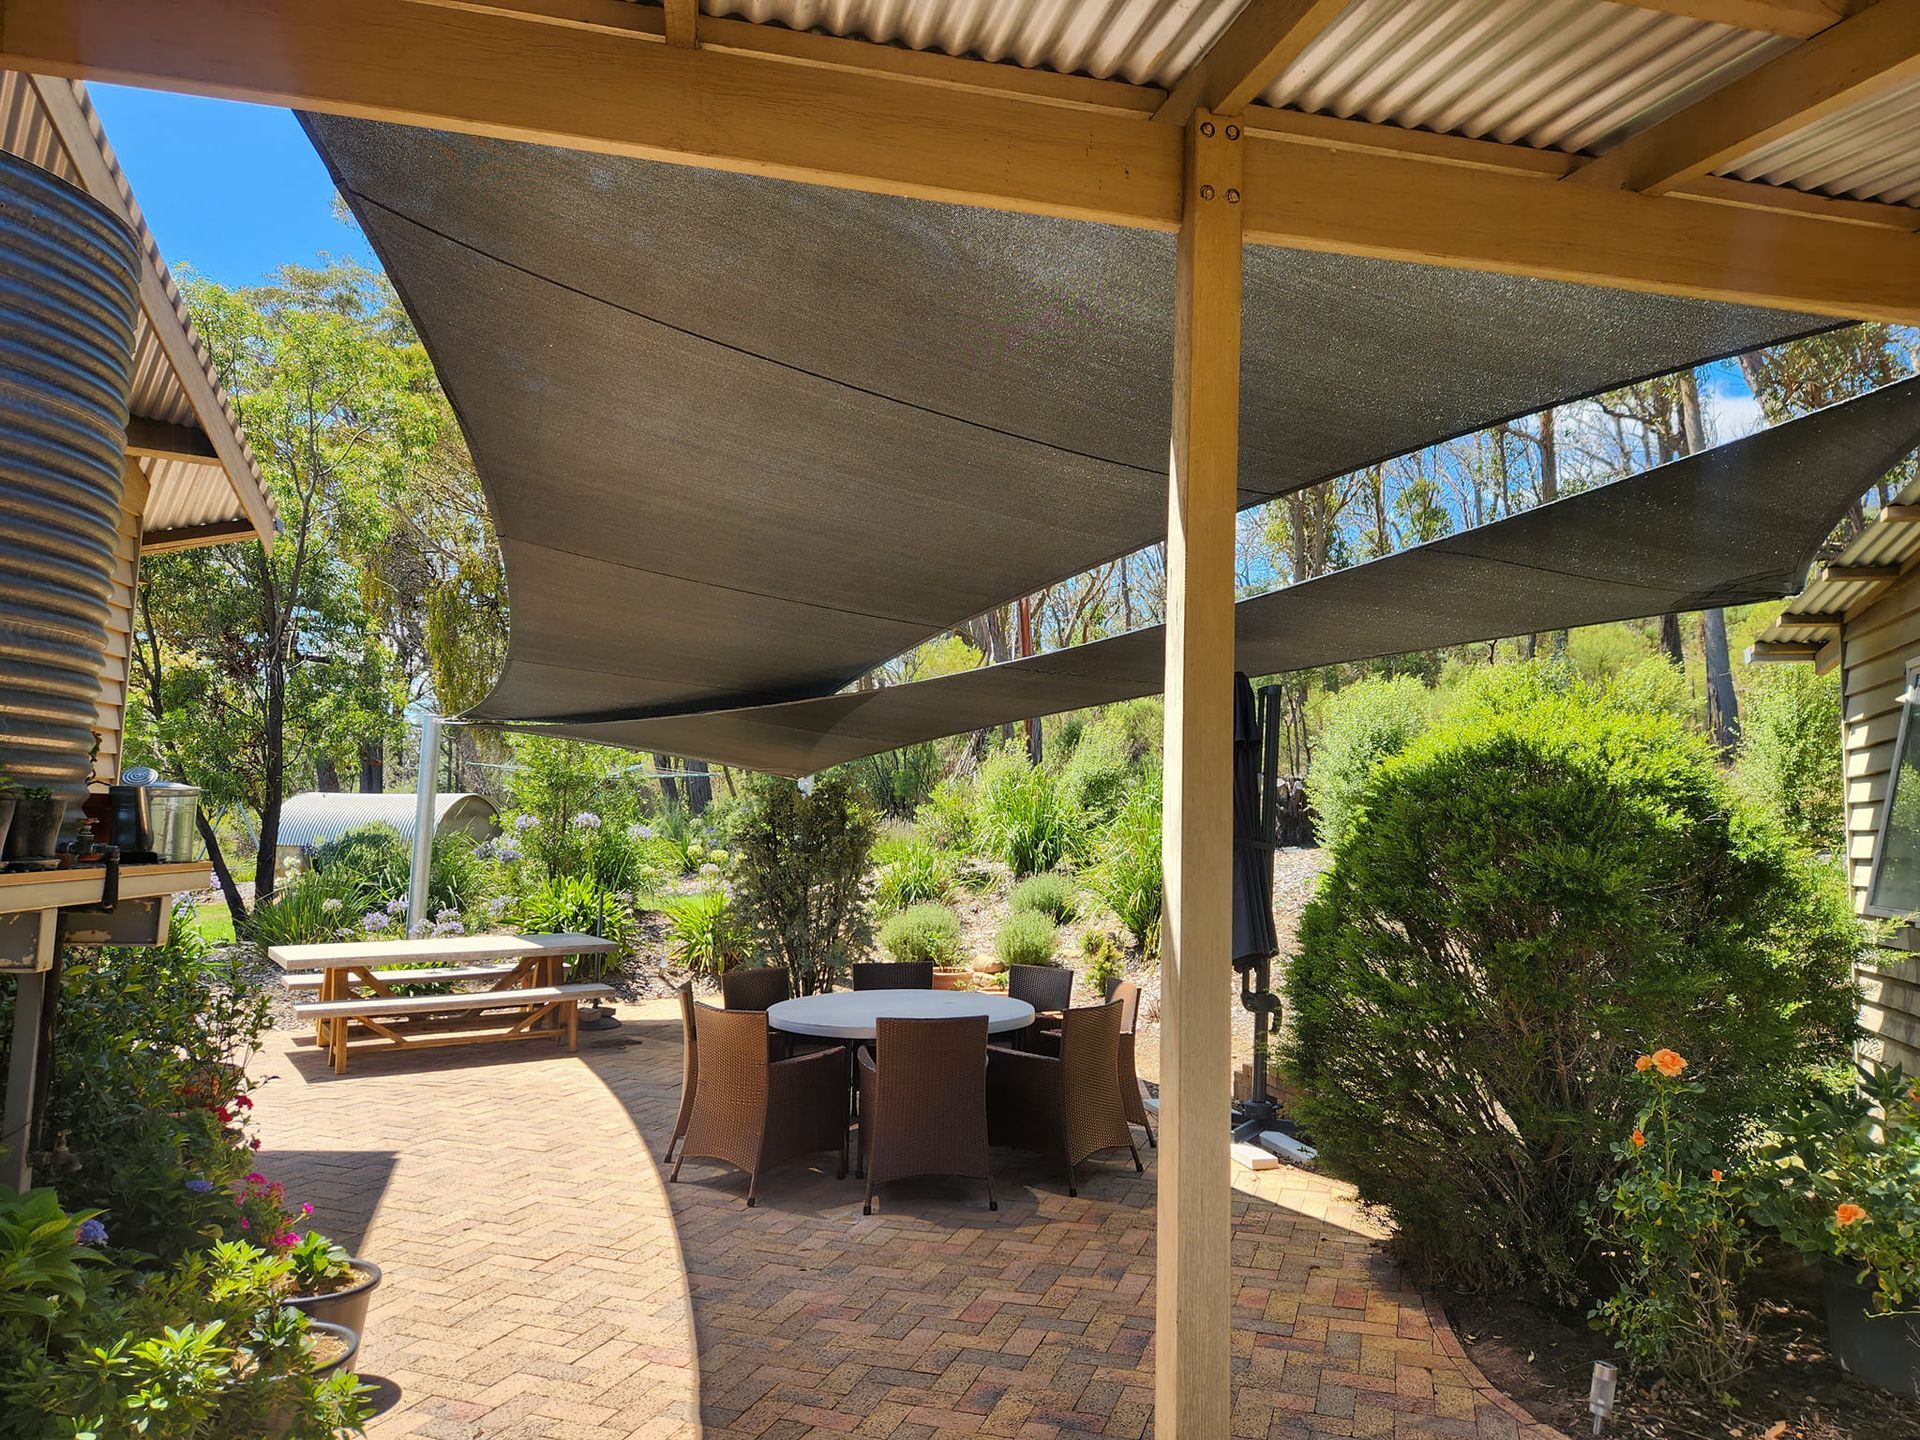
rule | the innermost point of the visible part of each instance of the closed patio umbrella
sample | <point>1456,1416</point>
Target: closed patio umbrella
<point>1254,938</point>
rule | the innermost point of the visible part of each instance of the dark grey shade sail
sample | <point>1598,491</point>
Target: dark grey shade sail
<point>746,439</point>
<point>1729,526</point>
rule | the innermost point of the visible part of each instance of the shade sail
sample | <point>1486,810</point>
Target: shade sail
<point>746,439</point>
<point>1729,526</point>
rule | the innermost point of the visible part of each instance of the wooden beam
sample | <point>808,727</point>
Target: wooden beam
<point>1811,620</point>
<point>1777,17</point>
<point>1852,61</point>
<point>83,149</point>
<point>1248,56</point>
<point>1193,1315</point>
<point>1844,574</point>
<point>1355,202</point>
<point>682,22</point>
<point>1783,650</point>
<point>486,72</point>
<point>1899,514</point>
<point>157,440</point>
<point>191,537</point>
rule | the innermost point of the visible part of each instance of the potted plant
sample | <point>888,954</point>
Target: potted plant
<point>1840,1180</point>
<point>330,1285</point>
<point>8,800</point>
<point>35,832</point>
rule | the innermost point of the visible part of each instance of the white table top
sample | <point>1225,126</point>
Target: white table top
<point>437,949</point>
<point>850,1014</point>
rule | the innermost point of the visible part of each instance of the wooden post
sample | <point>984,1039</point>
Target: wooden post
<point>1192,1340</point>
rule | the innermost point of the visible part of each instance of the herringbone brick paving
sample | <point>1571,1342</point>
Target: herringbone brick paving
<point>543,1282</point>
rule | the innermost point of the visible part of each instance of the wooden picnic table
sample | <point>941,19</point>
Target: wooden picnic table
<point>356,980</point>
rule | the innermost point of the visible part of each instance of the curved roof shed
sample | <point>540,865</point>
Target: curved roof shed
<point>309,821</point>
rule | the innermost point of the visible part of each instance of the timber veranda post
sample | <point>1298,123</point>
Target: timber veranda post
<point>1192,1371</point>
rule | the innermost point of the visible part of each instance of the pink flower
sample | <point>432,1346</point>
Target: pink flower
<point>286,1241</point>
<point>243,1102</point>
<point>306,1209</point>
<point>256,1178</point>
<point>245,1224</point>
<point>254,1143</point>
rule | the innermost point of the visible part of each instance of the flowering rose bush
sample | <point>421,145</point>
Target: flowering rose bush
<point>1675,1229</point>
<point>1839,1177</point>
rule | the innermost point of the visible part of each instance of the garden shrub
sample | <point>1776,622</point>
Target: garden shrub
<point>574,904</point>
<point>1525,902</point>
<point>1026,938</point>
<point>914,873</point>
<point>923,932</point>
<point>1106,962</point>
<point>382,861</point>
<point>1362,725</point>
<point>704,934</point>
<point>946,820</point>
<point>801,878</point>
<point>1127,872</point>
<point>1024,817</point>
<point>1051,893</point>
<point>1789,758</point>
<point>897,782</point>
<point>1095,776</point>
<point>312,907</point>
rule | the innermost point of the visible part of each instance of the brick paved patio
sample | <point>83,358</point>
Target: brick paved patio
<point>543,1282</point>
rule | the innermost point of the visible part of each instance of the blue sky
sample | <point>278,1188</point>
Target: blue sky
<point>231,191</point>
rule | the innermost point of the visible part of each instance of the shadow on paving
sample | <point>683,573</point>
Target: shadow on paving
<point>936,1315</point>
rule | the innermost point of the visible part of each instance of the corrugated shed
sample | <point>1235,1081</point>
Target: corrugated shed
<point>316,817</point>
<point>1869,151</point>
<point>182,495</point>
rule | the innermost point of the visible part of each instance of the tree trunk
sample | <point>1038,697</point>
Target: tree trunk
<point>326,775</point>
<point>1670,639</point>
<point>373,767</point>
<point>1723,706</point>
<point>663,768</point>
<point>223,873</point>
<point>273,788</point>
<point>698,785</point>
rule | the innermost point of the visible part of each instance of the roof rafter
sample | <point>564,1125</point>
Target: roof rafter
<point>1776,17</point>
<point>1841,66</point>
<point>1249,55</point>
<point>590,87</point>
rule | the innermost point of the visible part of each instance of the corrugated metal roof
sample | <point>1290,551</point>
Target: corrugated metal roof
<point>1882,542</point>
<point>183,495</point>
<point>1869,151</point>
<point>319,816</point>
<point>1571,75</point>
<point>1558,74</point>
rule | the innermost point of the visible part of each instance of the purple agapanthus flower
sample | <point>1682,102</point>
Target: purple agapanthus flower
<point>586,820</point>
<point>199,1186</point>
<point>90,1232</point>
<point>524,823</point>
<point>375,921</point>
<point>507,851</point>
<point>397,905</point>
<point>637,831</point>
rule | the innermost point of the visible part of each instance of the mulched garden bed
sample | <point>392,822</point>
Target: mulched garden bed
<point>1543,1358</point>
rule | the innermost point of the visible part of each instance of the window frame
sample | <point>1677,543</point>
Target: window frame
<point>1908,712</point>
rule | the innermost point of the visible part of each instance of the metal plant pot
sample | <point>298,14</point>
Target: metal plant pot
<point>1881,1350</point>
<point>347,1307</point>
<point>7,804</point>
<point>35,832</point>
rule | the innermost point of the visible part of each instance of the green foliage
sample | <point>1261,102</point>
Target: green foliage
<point>575,809</point>
<point>43,1280</point>
<point>946,820</point>
<point>314,906</point>
<point>913,872</point>
<point>1095,777</point>
<point>1024,816</point>
<point>1127,871</point>
<point>923,932</point>
<point>381,861</point>
<point>704,933</point>
<point>1789,760</point>
<point>1105,961</point>
<point>1363,725</point>
<point>1526,900</point>
<point>575,904</point>
<point>801,877</point>
<point>1052,894</point>
<point>1026,938</point>
<point>897,782</point>
<point>1838,1176</point>
<point>316,1266</point>
<point>1676,1230</point>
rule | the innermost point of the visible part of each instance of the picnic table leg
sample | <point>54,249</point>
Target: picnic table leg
<point>329,990</point>
<point>573,1026</point>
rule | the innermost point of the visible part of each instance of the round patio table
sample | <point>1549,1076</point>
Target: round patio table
<point>850,1014</point>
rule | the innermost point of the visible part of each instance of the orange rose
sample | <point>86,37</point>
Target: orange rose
<point>1668,1063</point>
<point>1717,1175</point>
<point>1643,1063</point>
<point>1639,1139</point>
<point>1849,1214</point>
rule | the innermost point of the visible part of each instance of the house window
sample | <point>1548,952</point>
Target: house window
<point>1894,889</point>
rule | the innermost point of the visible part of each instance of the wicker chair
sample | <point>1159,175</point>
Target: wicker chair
<point>1048,988</point>
<point>1128,994</point>
<point>893,975</point>
<point>923,1102</point>
<point>755,1113</point>
<point>689,1067</point>
<point>760,988</point>
<point>1067,1105</point>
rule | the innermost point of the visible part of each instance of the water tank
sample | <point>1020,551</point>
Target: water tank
<point>69,292</point>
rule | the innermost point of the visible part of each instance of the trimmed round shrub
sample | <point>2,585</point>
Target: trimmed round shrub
<point>1027,938</point>
<point>1051,894</point>
<point>1363,725</point>
<point>923,932</point>
<point>1521,905</point>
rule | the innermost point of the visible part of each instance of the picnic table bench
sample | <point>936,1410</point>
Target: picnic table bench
<point>523,977</point>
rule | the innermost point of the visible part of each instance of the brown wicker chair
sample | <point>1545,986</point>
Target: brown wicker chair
<point>689,1067</point>
<point>893,975</point>
<point>1128,994</point>
<point>1067,1105</point>
<point>923,1102</point>
<point>1049,989</point>
<point>755,1113</point>
<point>759,988</point>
